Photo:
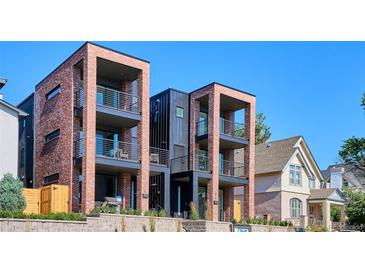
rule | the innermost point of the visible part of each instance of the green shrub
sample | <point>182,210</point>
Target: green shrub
<point>152,213</point>
<point>130,211</point>
<point>138,212</point>
<point>11,194</point>
<point>335,214</point>
<point>194,214</point>
<point>317,229</point>
<point>50,216</point>
<point>261,221</point>
<point>162,213</point>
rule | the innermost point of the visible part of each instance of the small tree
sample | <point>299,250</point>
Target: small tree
<point>11,195</point>
<point>262,130</point>
<point>352,153</point>
<point>363,100</point>
<point>355,208</point>
<point>335,214</point>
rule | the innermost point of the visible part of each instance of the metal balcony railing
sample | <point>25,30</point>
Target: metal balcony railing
<point>78,148</point>
<point>231,128</point>
<point>202,127</point>
<point>231,168</point>
<point>109,148</point>
<point>117,99</point>
<point>159,156</point>
<point>181,164</point>
<point>116,149</point>
<point>79,98</point>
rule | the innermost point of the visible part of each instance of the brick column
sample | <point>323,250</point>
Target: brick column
<point>194,146</point>
<point>89,129</point>
<point>213,153</point>
<point>249,160</point>
<point>228,203</point>
<point>143,176</point>
<point>125,181</point>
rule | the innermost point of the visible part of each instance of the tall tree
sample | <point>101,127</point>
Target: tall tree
<point>262,130</point>
<point>352,152</point>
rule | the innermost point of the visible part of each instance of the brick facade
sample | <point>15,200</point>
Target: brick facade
<point>58,113</point>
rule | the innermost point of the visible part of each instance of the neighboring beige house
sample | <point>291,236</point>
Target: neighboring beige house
<point>342,175</point>
<point>9,125</point>
<point>288,184</point>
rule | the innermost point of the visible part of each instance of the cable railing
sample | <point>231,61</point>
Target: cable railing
<point>181,164</point>
<point>116,149</point>
<point>231,128</point>
<point>231,168</point>
<point>79,98</point>
<point>202,127</point>
<point>159,156</point>
<point>117,99</point>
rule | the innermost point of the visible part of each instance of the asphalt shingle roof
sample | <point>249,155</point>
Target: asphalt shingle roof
<point>273,156</point>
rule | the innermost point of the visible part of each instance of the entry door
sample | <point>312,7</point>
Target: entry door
<point>202,195</point>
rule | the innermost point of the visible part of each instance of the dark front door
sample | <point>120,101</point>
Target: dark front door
<point>202,196</point>
<point>156,192</point>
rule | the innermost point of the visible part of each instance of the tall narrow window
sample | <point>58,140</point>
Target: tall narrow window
<point>295,175</point>
<point>53,92</point>
<point>295,208</point>
<point>312,183</point>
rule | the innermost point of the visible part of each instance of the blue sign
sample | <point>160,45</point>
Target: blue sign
<point>242,228</point>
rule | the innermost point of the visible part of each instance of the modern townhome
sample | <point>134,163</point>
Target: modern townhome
<point>201,131</point>
<point>289,184</point>
<point>9,123</point>
<point>341,175</point>
<point>92,129</point>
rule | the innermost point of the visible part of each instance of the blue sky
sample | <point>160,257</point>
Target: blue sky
<point>304,88</point>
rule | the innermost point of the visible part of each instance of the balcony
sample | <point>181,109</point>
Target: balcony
<point>232,173</point>
<point>111,155</point>
<point>231,134</point>
<point>181,164</point>
<point>114,108</point>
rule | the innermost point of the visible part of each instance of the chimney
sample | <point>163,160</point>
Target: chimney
<point>1,96</point>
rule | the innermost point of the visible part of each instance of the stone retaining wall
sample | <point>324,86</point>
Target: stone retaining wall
<point>271,228</point>
<point>205,226</point>
<point>104,223</point>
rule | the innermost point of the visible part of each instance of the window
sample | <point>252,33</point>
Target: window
<point>295,175</point>
<point>312,183</point>
<point>53,135</point>
<point>295,208</point>
<point>179,112</point>
<point>53,92</point>
<point>51,179</point>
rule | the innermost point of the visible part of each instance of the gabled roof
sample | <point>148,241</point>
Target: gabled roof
<point>333,194</point>
<point>350,173</point>
<point>19,111</point>
<point>273,156</point>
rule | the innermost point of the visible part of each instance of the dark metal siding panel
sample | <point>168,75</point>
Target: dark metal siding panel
<point>179,133</point>
<point>159,121</point>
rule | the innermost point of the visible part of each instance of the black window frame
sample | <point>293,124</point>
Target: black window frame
<point>46,140</point>
<point>55,177</point>
<point>53,93</point>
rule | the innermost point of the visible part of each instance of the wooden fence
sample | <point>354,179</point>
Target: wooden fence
<point>52,198</point>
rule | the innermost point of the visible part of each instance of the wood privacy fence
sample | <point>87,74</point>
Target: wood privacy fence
<point>47,199</point>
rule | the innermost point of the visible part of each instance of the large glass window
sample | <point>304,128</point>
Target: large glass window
<point>295,208</point>
<point>295,175</point>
